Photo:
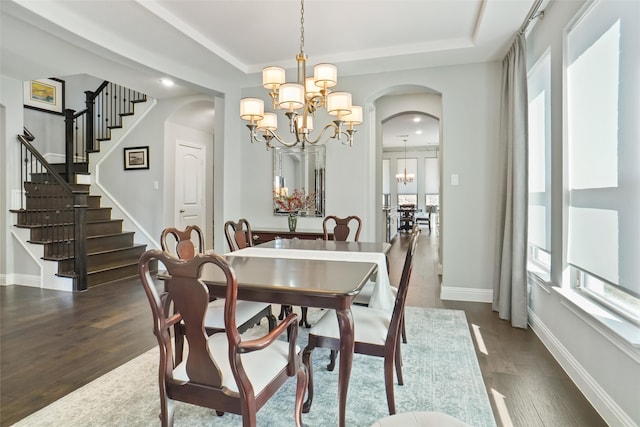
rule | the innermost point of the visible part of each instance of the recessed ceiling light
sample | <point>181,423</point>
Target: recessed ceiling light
<point>167,82</point>
<point>417,119</point>
<point>418,132</point>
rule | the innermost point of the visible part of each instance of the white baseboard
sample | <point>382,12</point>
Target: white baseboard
<point>466,294</point>
<point>20,279</point>
<point>599,398</point>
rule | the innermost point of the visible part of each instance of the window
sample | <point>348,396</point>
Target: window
<point>603,155</point>
<point>539,124</point>
<point>431,181</point>
<point>407,199</point>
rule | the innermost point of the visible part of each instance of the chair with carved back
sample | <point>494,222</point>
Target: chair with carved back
<point>342,228</point>
<point>248,313</point>
<point>222,371</point>
<point>376,333</point>
<point>238,234</point>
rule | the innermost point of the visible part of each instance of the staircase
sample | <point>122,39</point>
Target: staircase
<point>73,228</point>
<point>49,215</point>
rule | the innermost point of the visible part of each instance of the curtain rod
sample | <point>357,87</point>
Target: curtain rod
<point>532,15</point>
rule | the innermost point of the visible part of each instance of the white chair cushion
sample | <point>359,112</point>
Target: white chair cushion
<point>261,366</point>
<point>245,310</point>
<point>420,419</point>
<point>365,294</point>
<point>370,325</point>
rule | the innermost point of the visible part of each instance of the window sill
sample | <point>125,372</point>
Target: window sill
<point>604,321</point>
<point>540,277</point>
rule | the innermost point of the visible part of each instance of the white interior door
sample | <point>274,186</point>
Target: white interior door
<point>190,185</point>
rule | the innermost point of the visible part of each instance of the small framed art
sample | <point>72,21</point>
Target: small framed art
<point>136,158</point>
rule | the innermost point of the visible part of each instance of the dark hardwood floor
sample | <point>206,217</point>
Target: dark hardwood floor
<point>52,343</point>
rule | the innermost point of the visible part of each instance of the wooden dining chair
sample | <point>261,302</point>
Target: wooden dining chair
<point>248,313</point>
<point>376,333</point>
<point>342,228</point>
<point>238,234</point>
<point>221,371</point>
<point>183,242</point>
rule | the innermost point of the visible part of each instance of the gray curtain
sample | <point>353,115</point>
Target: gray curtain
<point>510,289</point>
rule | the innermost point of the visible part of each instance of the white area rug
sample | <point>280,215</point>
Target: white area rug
<point>440,370</point>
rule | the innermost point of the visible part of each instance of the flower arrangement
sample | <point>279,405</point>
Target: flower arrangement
<point>295,202</point>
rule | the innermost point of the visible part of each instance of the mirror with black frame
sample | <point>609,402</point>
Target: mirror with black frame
<point>299,181</point>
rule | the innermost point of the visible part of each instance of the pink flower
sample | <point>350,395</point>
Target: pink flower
<point>295,202</point>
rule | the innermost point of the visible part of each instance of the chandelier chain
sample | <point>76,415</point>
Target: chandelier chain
<point>301,26</point>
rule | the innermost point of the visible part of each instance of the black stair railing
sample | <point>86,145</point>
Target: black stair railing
<point>56,208</point>
<point>104,110</point>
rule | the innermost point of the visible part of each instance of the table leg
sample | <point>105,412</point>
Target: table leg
<point>345,323</point>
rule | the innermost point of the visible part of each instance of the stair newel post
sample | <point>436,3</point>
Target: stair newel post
<point>69,120</point>
<point>80,202</point>
<point>89,135</point>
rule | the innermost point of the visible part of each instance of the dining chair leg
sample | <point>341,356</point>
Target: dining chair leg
<point>303,321</point>
<point>388,384</point>
<point>404,330</point>
<point>167,408</point>
<point>301,386</point>
<point>332,360</point>
<point>398,364</point>
<point>306,360</point>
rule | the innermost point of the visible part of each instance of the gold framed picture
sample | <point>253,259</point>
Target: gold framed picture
<point>45,95</point>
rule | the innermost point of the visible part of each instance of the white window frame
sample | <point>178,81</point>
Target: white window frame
<point>539,82</point>
<point>608,294</point>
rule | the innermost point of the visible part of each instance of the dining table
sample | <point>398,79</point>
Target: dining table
<point>308,273</point>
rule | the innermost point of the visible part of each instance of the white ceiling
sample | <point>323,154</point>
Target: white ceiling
<point>191,40</point>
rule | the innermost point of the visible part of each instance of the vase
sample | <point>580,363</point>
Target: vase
<point>293,221</point>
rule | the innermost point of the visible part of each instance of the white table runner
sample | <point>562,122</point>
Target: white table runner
<point>382,298</point>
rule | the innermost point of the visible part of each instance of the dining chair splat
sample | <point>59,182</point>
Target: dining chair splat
<point>341,228</point>
<point>221,371</point>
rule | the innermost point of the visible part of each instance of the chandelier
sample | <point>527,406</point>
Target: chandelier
<point>405,177</point>
<point>301,100</point>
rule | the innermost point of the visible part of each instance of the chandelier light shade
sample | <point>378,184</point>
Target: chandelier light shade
<point>268,122</point>
<point>353,118</point>
<point>251,109</point>
<point>325,75</point>
<point>272,77</point>
<point>339,103</point>
<point>291,96</point>
<point>300,100</point>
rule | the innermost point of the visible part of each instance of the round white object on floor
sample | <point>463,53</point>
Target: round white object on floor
<point>419,419</point>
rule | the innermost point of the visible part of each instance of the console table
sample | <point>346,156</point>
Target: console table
<point>262,236</point>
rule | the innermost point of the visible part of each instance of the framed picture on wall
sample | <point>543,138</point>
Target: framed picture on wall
<point>136,158</point>
<point>45,95</point>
